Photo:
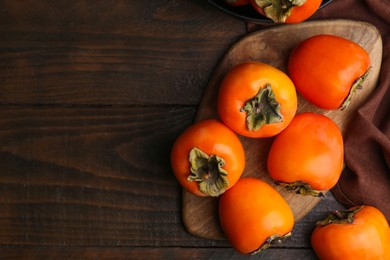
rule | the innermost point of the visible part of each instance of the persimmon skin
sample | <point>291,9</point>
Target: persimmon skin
<point>242,83</point>
<point>213,138</point>
<point>324,67</point>
<point>310,150</point>
<point>298,13</point>
<point>303,12</point>
<point>252,211</point>
<point>368,237</point>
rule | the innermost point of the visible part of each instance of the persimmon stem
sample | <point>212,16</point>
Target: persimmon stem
<point>300,187</point>
<point>340,217</point>
<point>272,240</point>
<point>262,109</point>
<point>278,10</point>
<point>208,172</point>
<point>358,84</point>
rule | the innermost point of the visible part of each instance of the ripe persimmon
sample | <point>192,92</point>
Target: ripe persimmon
<point>327,69</point>
<point>283,11</point>
<point>360,232</point>
<point>253,215</point>
<point>207,158</point>
<point>308,156</point>
<point>256,100</point>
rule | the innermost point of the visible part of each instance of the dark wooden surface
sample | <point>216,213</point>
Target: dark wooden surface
<point>92,96</point>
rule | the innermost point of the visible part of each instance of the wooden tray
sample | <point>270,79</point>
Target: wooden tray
<point>272,46</point>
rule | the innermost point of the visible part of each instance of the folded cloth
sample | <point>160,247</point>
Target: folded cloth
<point>366,177</point>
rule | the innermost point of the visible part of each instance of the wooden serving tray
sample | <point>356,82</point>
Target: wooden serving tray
<point>273,46</point>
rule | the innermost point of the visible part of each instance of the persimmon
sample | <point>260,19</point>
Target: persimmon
<point>308,156</point>
<point>360,232</point>
<point>207,158</point>
<point>286,11</point>
<point>256,100</point>
<point>253,215</point>
<point>327,69</point>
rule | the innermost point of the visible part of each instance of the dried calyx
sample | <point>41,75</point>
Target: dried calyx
<point>300,187</point>
<point>278,10</point>
<point>208,172</point>
<point>358,84</point>
<point>262,109</point>
<point>340,217</point>
<point>272,240</point>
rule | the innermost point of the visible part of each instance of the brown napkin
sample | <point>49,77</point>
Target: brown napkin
<point>366,178</point>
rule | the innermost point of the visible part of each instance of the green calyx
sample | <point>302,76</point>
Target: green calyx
<point>300,187</point>
<point>208,172</point>
<point>278,10</point>
<point>272,240</point>
<point>340,217</point>
<point>262,109</point>
<point>358,84</point>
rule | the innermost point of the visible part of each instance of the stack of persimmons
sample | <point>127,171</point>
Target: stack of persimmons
<point>257,100</point>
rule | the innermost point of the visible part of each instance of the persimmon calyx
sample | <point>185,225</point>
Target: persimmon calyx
<point>272,240</point>
<point>358,84</point>
<point>262,109</point>
<point>278,10</point>
<point>208,172</point>
<point>340,217</point>
<point>300,187</point>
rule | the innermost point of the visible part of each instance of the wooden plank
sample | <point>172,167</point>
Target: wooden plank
<point>150,253</point>
<point>95,177</point>
<point>147,253</point>
<point>90,176</point>
<point>92,52</point>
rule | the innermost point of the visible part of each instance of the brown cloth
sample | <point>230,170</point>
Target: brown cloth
<point>366,178</point>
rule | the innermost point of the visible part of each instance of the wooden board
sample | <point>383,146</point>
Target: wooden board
<point>273,46</point>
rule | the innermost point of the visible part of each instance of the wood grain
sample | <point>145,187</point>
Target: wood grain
<point>92,52</point>
<point>150,253</point>
<point>273,46</point>
<point>92,96</point>
<point>93,177</point>
<point>90,176</point>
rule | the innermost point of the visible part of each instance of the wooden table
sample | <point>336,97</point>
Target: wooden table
<point>92,96</point>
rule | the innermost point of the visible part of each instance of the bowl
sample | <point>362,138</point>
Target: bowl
<point>247,12</point>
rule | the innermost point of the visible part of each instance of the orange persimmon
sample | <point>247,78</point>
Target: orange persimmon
<point>253,215</point>
<point>327,69</point>
<point>286,11</point>
<point>308,156</point>
<point>358,233</point>
<point>207,158</point>
<point>256,100</point>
